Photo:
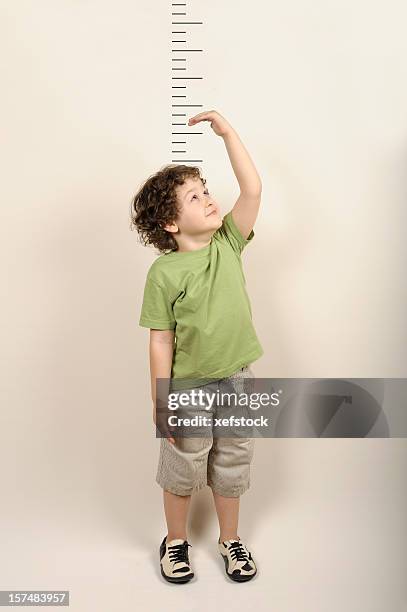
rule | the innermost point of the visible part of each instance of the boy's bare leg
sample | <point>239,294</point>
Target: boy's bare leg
<point>176,513</point>
<point>227,509</point>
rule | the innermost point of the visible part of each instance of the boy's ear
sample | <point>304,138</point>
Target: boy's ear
<point>171,227</point>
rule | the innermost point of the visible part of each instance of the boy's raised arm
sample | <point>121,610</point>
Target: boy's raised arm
<point>247,205</point>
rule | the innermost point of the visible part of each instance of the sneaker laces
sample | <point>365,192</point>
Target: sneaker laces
<point>238,552</point>
<point>179,553</point>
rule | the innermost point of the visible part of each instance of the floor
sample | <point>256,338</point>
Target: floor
<point>324,519</point>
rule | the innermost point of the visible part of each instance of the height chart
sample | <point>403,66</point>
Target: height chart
<point>183,75</point>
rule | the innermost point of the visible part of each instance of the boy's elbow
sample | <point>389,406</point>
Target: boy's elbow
<point>162,336</point>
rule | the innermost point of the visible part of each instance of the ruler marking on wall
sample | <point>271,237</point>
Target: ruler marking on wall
<point>186,46</point>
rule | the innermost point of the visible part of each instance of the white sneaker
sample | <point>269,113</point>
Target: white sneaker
<point>239,563</point>
<point>174,561</point>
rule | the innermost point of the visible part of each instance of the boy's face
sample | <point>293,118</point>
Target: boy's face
<point>199,213</point>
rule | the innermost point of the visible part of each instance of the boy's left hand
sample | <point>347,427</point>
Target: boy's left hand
<point>218,123</point>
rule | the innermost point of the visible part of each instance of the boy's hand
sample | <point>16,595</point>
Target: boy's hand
<point>162,426</point>
<point>218,123</point>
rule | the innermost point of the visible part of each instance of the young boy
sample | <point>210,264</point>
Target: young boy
<point>195,296</point>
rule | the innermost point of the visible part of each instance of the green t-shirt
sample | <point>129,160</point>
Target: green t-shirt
<point>202,296</point>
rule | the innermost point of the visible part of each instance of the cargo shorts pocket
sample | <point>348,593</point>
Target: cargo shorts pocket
<point>182,467</point>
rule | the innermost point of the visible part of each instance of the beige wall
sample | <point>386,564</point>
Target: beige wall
<point>318,93</point>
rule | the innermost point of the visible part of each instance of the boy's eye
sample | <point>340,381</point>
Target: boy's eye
<point>195,196</point>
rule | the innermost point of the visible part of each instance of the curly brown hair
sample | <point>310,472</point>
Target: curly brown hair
<point>155,204</point>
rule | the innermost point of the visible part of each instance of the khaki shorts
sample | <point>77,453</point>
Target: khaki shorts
<point>223,463</point>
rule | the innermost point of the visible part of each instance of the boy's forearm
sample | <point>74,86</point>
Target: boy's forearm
<point>160,366</point>
<point>242,164</point>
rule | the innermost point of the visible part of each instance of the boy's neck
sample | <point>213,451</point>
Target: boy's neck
<point>190,243</point>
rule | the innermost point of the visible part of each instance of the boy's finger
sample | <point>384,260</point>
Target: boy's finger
<point>167,434</point>
<point>204,115</point>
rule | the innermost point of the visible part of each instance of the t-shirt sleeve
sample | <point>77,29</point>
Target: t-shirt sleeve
<point>232,234</point>
<point>156,309</point>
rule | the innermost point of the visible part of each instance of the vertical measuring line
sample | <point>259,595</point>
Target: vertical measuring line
<point>182,35</point>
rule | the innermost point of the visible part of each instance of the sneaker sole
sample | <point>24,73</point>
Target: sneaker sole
<point>236,577</point>
<point>180,580</point>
